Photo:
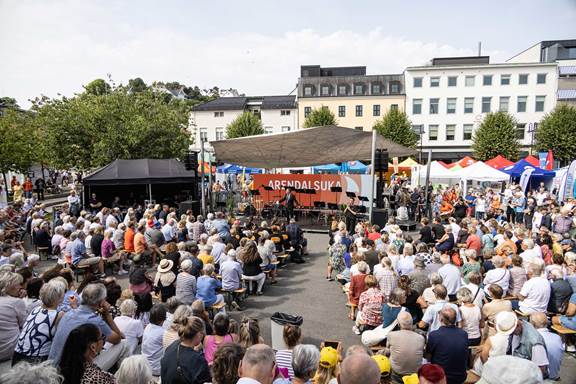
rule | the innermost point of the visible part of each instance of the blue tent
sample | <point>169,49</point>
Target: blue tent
<point>517,169</point>
<point>233,168</point>
<point>357,167</point>
<point>326,168</point>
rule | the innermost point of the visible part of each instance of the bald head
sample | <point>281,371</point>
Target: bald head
<point>448,316</point>
<point>259,363</point>
<point>539,320</point>
<point>405,320</point>
<point>359,368</point>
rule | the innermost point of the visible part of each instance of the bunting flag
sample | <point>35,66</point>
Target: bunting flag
<point>525,178</point>
<point>549,161</point>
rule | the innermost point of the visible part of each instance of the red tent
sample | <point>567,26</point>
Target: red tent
<point>532,160</point>
<point>499,162</point>
<point>466,161</point>
<point>446,165</point>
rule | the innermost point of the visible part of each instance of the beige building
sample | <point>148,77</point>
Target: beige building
<point>356,99</point>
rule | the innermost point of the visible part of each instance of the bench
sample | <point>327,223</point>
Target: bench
<point>80,270</point>
<point>216,308</point>
<point>522,314</point>
<point>561,330</point>
<point>43,252</point>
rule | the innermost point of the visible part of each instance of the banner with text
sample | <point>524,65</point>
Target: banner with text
<point>320,184</point>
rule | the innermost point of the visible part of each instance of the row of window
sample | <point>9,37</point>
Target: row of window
<point>220,132</point>
<point>376,88</point>
<point>467,131</point>
<point>358,109</point>
<point>283,112</point>
<point>486,106</point>
<point>470,80</point>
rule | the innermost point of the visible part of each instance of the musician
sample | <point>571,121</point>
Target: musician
<point>351,215</point>
<point>291,202</point>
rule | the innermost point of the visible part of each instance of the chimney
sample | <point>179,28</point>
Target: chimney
<point>479,48</point>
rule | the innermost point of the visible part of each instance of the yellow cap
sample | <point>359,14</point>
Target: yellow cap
<point>383,364</point>
<point>411,379</point>
<point>328,357</point>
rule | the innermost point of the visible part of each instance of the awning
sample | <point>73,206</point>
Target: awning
<point>141,171</point>
<point>305,147</point>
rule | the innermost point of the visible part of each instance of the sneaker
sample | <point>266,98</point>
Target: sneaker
<point>122,272</point>
<point>356,330</point>
<point>571,348</point>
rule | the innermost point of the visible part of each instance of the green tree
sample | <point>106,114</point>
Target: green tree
<point>247,124</point>
<point>319,117</point>
<point>556,132</point>
<point>137,85</point>
<point>18,142</point>
<point>496,135</point>
<point>97,87</point>
<point>8,102</point>
<point>395,126</point>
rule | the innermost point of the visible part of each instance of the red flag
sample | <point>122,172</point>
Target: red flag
<point>549,161</point>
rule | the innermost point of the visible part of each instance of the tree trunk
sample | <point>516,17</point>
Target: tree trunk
<point>5,184</point>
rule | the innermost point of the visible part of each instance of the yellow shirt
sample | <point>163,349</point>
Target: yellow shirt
<point>206,258</point>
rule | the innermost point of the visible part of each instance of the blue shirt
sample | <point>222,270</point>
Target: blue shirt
<point>70,321</point>
<point>78,251</point>
<point>448,347</point>
<point>206,290</point>
<point>555,352</point>
<point>432,317</point>
<point>231,272</point>
<point>389,314</point>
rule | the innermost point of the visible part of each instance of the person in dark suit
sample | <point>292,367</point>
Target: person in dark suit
<point>290,202</point>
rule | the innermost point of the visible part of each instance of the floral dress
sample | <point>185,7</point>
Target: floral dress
<point>336,257</point>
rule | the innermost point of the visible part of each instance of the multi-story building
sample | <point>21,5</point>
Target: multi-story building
<point>356,99</point>
<point>448,99</point>
<point>208,121</point>
<point>562,52</point>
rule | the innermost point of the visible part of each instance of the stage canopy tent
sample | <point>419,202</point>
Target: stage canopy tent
<point>517,169</point>
<point>357,167</point>
<point>499,162</point>
<point>141,171</point>
<point>304,147</point>
<point>479,171</point>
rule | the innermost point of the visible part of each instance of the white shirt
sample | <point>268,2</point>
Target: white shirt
<point>405,265</point>
<point>554,351</point>
<point>528,257</point>
<point>169,232</point>
<point>132,329</point>
<point>479,300</point>
<point>109,220</point>
<point>455,230</point>
<point>450,278</point>
<point>497,276</point>
<point>537,294</point>
<point>152,346</point>
<point>471,317</point>
<point>217,251</point>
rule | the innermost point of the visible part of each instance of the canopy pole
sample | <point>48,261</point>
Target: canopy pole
<point>372,174</point>
<point>427,195</point>
<point>202,187</point>
<point>150,193</point>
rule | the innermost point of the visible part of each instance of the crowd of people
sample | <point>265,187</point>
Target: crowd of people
<point>492,274</point>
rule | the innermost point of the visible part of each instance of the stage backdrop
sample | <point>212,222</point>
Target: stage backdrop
<point>359,184</point>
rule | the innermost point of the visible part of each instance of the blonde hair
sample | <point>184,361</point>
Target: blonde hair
<point>324,374</point>
<point>249,333</point>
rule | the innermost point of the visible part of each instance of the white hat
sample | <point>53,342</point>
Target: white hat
<point>510,370</point>
<point>165,265</point>
<point>506,322</point>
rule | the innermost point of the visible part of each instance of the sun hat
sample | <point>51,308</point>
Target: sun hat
<point>165,265</point>
<point>507,369</point>
<point>506,322</point>
<point>328,357</point>
<point>383,364</point>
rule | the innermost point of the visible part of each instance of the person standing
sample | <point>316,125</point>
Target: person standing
<point>40,186</point>
<point>291,202</point>
<point>28,188</point>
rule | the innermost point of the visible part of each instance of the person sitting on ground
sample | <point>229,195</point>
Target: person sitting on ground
<point>406,348</point>
<point>305,359</point>
<point>78,362</point>
<point>186,283</point>
<point>292,336</point>
<point>359,368</point>
<point>450,277</point>
<point>500,275</point>
<point>431,318</point>
<point>257,365</point>
<point>226,362</point>
<point>130,327</point>
<point>535,292</point>
<point>221,336</point>
<point>181,362</point>
<point>552,342</point>
<point>369,306</point>
<point>152,338</point>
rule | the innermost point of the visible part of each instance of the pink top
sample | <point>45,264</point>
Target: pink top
<point>211,346</point>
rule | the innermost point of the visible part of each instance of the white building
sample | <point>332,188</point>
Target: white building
<point>449,98</point>
<point>208,121</point>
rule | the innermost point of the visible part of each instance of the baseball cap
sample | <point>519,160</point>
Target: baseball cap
<point>411,379</point>
<point>383,364</point>
<point>510,370</point>
<point>328,357</point>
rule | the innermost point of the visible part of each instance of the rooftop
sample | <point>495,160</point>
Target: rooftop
<point>240,103</point>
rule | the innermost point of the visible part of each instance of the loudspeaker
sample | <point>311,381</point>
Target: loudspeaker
<point>380,217</point>
<point>194,205</point>
<point>191,161</point>
<point>381,160</point>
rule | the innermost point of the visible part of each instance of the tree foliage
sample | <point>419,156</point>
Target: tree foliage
<point>319,117</point>
<point>395,126</point>
<point>18,141</point>
<point>97,87</point>
<point>556,132</point>
<point>247,124</point>
<point>137,85</point>
<point>496,135</point>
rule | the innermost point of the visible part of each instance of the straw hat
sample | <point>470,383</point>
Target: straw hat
<point>506,322</point>
<point>165,265</point>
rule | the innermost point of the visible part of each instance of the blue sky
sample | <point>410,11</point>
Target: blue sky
<point>55,46</point>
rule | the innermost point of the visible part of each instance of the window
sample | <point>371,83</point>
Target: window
<point>540,103</point>
<point>470,81</point>
<point>486,104</point>
<point>521,105</point>
<point>487,80</point>
<point>432,132</point>
<point>325,90</point>
<point>504,101</point>
<point>359,128</point>
<point>285,129</point>
<point>416,106</point>
<point>376,89</point>
<point>417,83</point>
<point>541,78</point>
<point>219,133</point>
<point>520,131</point>
<point>467,131</point>
<point>451,105</point>
<point>434,106</point>
<point>434,82</point>
<point>342,111</point>
<point>308,90</point>
<point>394,88</point>
<point>469,105</point>
<point>285,112</point>
<point>307,111</point>
<point>268,130</point>
<point>342,90</point>
<point>450,131</point>
<point>376,110</point>
<point>359,89</point>
<point>218,114</point>
<point>204,134</point>
<point>452,81</point>
<point>394,107</point>
<point>523,78</point>
<point>358,111</point>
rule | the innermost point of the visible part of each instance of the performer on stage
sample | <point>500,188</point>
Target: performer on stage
<point>291,202</point>
<point>351,215</point>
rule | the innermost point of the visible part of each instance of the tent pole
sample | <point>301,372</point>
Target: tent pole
<point>372,174</point>
<point>150,192</point>
<point>202,177</point>
<point>427,195</point>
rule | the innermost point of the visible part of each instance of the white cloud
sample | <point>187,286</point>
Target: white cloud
<point>51,50</point>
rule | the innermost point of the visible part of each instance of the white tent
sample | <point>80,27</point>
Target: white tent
<point>480,171</point>
<point>438,174</point>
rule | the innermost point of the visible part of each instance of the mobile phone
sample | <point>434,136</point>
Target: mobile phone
<point>333,344</point>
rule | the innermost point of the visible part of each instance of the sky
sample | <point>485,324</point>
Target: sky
<point>53,47</point>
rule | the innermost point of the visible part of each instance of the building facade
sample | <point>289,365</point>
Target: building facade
<point>208,121</point>
<point>356,99</point>
<point>448,99</point>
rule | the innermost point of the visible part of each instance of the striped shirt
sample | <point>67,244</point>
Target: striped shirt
<point>284,360</point>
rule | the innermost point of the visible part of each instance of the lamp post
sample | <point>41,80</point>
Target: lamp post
<point>419,130</point>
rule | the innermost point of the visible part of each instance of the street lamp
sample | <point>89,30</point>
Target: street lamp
<point>419,130</point>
